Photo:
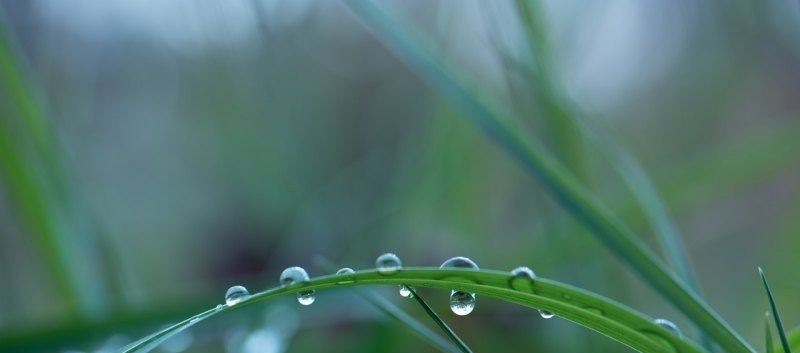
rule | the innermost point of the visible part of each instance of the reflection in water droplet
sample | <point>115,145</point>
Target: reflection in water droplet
<point>669,325</point>
<point>388,264</point>
<point>295,275</point>
<point>235,294</point>
<point>546,314</point>
<point>462,303</point>
<point>405,292</point>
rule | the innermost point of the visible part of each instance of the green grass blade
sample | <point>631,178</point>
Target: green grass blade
<point>442,325</point>
<point>768,333</point>
<point>398,314</point>
<point>776,317</point>
<point>590,310</point>
<point>572,195</point>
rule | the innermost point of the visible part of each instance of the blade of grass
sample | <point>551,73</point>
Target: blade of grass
<point>572,195</point>
<point>590,310</point>
<point>776,317</point>
<point>768,332</point>
<point>442,325</point>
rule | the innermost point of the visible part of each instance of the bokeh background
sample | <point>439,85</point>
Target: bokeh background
<point>170,149</point>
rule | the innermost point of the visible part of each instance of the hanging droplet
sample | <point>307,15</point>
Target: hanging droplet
<point>294,275</point>
<point>388,264</point>
<point>405,292</point>
<point>461,303</point>
<point>669,326</point>
<point>546,314</point>
<point>235,294</point>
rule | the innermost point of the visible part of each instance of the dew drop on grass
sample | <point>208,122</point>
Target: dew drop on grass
<point>388,264</point>
<point>235,294</point>
<point>294,275</point>
<point>461,303</point>
<point>546,314</point>
<point>669,326</point>
<point>522,278</point>
<point>405,292</point>
<point>345,271</point>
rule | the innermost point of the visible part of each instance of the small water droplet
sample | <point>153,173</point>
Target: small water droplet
<point>345,271</point>
<point>523,271</point>
<point>546,314</point>
<point>219,306</point>
<point>388,264</point>
<point>566,296</point>
<point>306,297</point>
<point>462,303</point>
<point>236,294</point>
<point>405,292</point>
<point>669,325</point>
<point>522,279</point>
<point>294,275</point>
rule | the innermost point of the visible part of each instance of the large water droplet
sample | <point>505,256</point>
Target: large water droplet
<point>669,326</point>
<point>546,314</point>
<point>235,294</point>
<point>405,292</point>
<point>388,264</point>
<point>462,303</point>
<point>294,275</point>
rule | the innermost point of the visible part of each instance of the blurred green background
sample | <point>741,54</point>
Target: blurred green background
<point>154,153</point>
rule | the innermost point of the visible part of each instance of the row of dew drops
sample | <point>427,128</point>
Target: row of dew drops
<point>461,303</point>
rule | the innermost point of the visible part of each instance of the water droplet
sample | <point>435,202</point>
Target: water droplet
<point>219,307</point>
<point>522,279</point>
<point>236,294</point>
<point>306,297</point>
<point>459,262</point>
<point>388,264</point>
<point>462,303</point>
<point>345,271</point>
<point>546,314</point>
<point>294,275</point>
<point>669,326</point>
<point>405,292</point>
<point>523,271</point>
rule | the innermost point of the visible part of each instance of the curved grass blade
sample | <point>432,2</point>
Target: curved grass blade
<point>778,324</point>
<point>447,330</point>
<point>565,189</point>
<point>590,310</point>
